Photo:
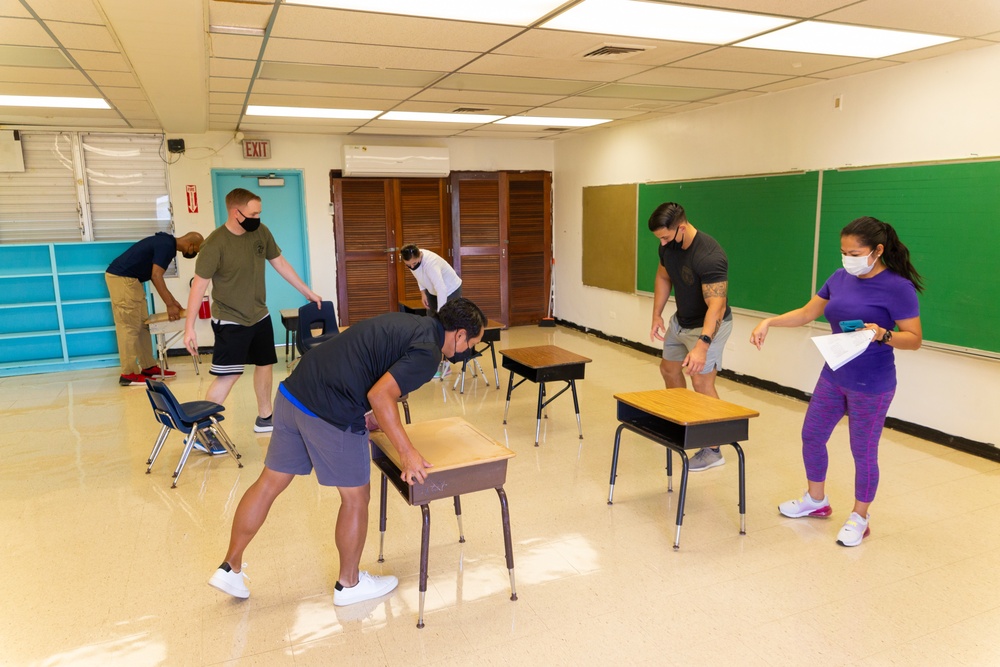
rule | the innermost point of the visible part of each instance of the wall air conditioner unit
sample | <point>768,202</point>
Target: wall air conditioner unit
<point>383,161</point>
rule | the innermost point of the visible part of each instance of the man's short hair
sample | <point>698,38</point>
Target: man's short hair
<point>240,198</point>
<point>667,216</point>
<point>462,314</point>
<point>409,251</point>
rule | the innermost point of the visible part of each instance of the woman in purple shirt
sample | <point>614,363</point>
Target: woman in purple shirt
<point>878,285</point>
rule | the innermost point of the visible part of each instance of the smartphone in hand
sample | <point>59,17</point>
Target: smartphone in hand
<point>851,325</point>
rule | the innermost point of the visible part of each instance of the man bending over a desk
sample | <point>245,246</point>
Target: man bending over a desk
<point>322,415</point>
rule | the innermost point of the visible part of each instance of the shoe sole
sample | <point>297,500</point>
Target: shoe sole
<point>362,599</point>
<point>225,588</point>
<point>714,464</point>
<point>821,513</point>
<point>264,429</point>
<point>868,531</point>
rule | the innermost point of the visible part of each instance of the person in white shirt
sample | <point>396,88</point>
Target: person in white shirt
<point>437,281</point>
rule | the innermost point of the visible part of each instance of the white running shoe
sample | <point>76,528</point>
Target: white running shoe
<point>854,530</point>
<point>368,587</point>
<point>806,506</point>
<point>230,582</point>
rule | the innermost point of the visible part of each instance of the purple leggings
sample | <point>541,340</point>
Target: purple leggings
<point>866,417</point>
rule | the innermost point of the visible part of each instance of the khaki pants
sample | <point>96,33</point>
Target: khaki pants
<point>128,303</point>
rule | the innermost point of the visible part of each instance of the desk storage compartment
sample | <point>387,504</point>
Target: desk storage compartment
<point>442,483</point>
<point>688,436</point>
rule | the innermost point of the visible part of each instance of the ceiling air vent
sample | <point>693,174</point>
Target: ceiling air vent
<point>470,110</point>
<point>614,51</point>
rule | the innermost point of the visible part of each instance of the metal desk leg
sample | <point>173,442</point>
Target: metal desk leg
<point>381,519</point>
<point>670,471</point>
<point>576,406</point>
<point>458,515</point>
<point>680,499</point>
<point>507,547</point>
<point>425,543</point>
<point>496,373</point>
<point>743,489</point>
<point>538,417</point>
<point>510,388</point>
<point>614,462</point>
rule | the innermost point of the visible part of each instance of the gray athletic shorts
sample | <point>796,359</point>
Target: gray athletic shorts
<point>679,341</point>
<point>300,443</point>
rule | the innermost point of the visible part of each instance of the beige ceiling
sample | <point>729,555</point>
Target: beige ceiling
<point>161,67</point>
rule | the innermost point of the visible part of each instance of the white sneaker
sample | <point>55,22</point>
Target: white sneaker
<point>806,506</point>
<point>854,530</point>
<point>368,587</point>
<point>230,582</point>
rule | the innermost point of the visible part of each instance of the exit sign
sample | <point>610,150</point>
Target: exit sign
<point>256,149</point>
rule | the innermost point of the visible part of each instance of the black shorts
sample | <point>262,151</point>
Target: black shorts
<point>237,345</point>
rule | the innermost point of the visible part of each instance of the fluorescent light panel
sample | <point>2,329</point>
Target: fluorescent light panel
<point>836,39</point>
<point>425,117</point>
<point>507,12</point>
<point>235,30</point>
<point>53,102</point>
<point>552,121</point>
<point>308,112</point>
<point>655,20</point>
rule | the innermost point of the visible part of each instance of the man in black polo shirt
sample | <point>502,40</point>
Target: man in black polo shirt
<point>321,422</point>
<point>146,260</point>
<point>696,267</point>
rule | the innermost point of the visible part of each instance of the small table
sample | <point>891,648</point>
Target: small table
<point>290,320</point>
<point>541,364</point>
<point>681,419</point>
<point>413,306</point>
<point>464,460</point>
<point>165,332</point>
<point>491,335</point>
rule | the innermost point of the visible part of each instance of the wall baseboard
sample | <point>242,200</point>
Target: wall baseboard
<point>974,447</point>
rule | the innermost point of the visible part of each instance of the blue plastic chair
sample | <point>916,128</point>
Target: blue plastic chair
<point>311,318</point>
<point>196,419</point>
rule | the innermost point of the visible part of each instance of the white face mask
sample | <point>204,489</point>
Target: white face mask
<point>857,266</point>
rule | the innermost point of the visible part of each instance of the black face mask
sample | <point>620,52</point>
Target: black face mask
<point>459,357</point>
<point>675,244</point>
<point>250,224</point>
<point>416,266</point>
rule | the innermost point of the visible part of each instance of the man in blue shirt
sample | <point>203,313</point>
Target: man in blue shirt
<point>146,260</point>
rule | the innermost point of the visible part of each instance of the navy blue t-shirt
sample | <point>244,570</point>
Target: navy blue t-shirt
<point>137,262</point>
<point>332,379</point>
<point>704,262</point>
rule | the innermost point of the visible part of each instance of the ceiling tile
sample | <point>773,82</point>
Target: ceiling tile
<point>330,90</point>
<point>44,75</point>
<point>13,8</point>
<point>363,55</point>
<point>60,10</point>
<point>511,84</point>
<point>225,108</point>
<point>369,28</point>
<point>231,67</point>
<point>408,132</point>
<point>24,32</point>
<point>766,62</point>
<point>473,98</point>
<point>787,84</point>
<point>219,97</point>
<point>669,93</point>
<point>734,97</point>
<point>137,108</point>
<point>82,36</point>
<point>677,76</point>
<point>119,79</point>
<point>246,47</point>
<point>50,89</point>
<point>968,18</point>
<point>942,49</point>
<point>449,107</point>
<point>142,124</point>
<point>503,134</point>
<point>579,70</point>
<point>851,70</point>
<point>100,61</point>
<point>239,14</point>
<point>224,84</point>
<point>367,76</point>
<point>320,102</point>
<point>797,8</point>
<point>33,56</point>
<point>611,103</point>
<point>114,93</point>
<point>540,43</point>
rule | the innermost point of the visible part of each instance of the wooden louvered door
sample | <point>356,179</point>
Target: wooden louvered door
<point>480,240</point>
<point>529,251</point>
<point>421,215</point>
<point>364,238</point>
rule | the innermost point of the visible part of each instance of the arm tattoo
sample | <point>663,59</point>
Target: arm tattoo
<point>714,290</point>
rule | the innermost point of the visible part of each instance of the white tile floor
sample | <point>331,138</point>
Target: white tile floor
<point>104,565</point>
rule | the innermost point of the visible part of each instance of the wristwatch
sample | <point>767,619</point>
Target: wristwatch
<point>886,337</point>
<point>705,338</point>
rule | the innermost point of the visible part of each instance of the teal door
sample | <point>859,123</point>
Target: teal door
<point>283,211</point>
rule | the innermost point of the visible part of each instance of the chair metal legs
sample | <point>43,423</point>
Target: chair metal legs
<point>160,439</point>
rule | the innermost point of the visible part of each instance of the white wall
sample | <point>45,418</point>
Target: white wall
<point>940,109</point>
<point>315,155</point>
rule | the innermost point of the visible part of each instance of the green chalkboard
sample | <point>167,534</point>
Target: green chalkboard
<point>948,215</point>
<point>766,224</point>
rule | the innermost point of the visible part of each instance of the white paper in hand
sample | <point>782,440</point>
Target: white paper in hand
<point>838,349</point>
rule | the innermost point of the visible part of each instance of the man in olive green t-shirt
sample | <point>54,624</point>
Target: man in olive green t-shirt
<point>233,260</point>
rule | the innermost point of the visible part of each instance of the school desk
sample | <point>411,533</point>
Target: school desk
<point>464,460</point>
<point>681,419</point>
<point>165,332</point>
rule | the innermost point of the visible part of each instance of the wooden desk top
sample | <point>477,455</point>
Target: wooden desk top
<point>493,324</point>
<point>156,318</point>
<point>684,406</point>
<point>544,356</point>
<point>447,444</point>
<point>288,313</point>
